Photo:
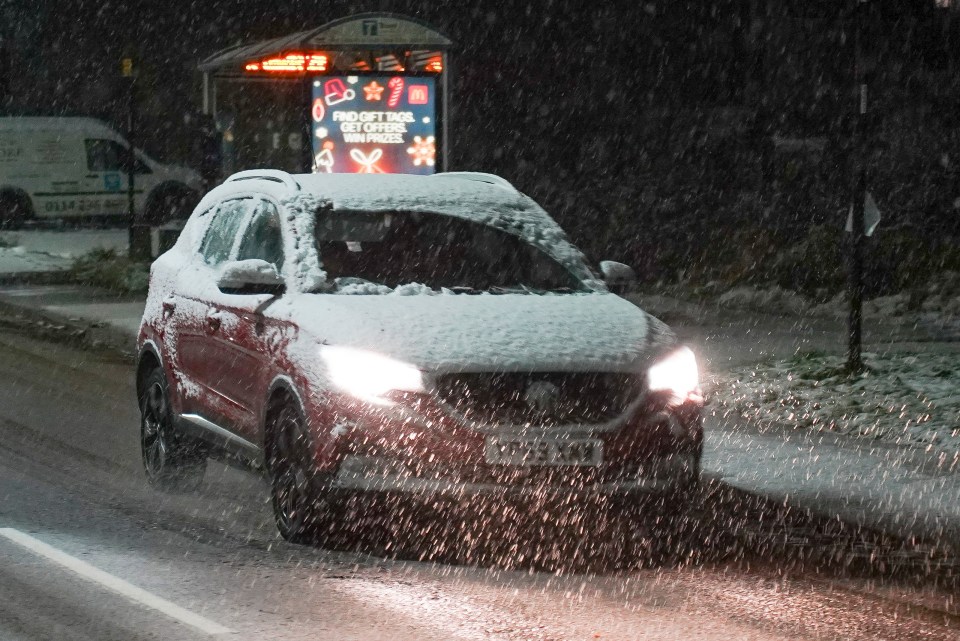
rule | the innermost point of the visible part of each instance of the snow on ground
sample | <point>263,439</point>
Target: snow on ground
<point>37,250</point>
<point>906,399</point>
<point>772,300</point>
<point>939,298</point>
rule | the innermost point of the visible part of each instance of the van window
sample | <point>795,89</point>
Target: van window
<point>109,155</point>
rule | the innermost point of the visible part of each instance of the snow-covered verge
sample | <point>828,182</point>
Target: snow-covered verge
<point>775,300</point>
<point>53,250</point>
<point>110,270</point>
<point>905,399</point>
<point>933,303</point>
<point>17,260</point>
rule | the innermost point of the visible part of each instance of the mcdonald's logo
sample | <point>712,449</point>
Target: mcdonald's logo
<point>418,95</point>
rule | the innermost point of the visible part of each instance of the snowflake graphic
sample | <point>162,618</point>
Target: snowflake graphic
<point>423,151</point>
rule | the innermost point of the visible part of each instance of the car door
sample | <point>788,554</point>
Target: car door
<point>195,326</point>
<point>247,339</point>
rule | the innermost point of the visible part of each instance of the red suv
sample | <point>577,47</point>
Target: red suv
<point>413,334</point>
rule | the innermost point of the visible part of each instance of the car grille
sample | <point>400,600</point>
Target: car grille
<point>539,399</point>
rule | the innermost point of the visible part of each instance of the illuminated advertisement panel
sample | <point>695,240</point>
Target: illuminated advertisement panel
<point>374,124</point>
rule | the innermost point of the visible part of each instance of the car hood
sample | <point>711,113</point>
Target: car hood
<point>486,332</point>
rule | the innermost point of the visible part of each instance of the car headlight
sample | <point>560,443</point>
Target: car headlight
<point>368,375</point>
<point>677,374</point>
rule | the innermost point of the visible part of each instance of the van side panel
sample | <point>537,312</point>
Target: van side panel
<point>47,159</point>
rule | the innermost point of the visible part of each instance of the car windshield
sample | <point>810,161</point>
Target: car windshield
<point>434,250</point>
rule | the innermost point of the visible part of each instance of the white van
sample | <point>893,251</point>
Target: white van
<point>77,167</point>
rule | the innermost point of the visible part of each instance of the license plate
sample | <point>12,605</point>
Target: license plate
<point>556,452</point>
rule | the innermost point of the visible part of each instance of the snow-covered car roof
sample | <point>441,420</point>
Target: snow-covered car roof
<point>457,194</point>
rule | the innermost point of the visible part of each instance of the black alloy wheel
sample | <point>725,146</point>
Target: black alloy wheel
<point>302,500</point>
<point>170,461</point>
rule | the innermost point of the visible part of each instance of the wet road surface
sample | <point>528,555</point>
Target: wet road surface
<point>70,481</point>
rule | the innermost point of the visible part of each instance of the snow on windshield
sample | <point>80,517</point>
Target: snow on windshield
<point>501,208</point>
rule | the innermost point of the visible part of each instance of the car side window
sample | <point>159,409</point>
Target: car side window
<point>109,155</point>
<point>221,236</point>
<point>262,238</point>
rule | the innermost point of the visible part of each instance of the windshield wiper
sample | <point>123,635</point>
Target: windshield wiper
<point>537,291</point>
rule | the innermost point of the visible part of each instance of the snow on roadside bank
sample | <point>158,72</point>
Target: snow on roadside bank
<point>938,299</point>
<point>66,243</point>
<point>34,250</point>
<point>905,399</point>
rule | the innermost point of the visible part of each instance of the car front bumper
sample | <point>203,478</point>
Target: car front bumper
<point>382,474</point>
<point>654,450</point>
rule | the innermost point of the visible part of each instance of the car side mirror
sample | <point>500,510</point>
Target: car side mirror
<point>251,276</point>
<point>618,277</point>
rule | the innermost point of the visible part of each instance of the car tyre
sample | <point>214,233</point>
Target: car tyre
<point>171,461</point>
<point>303,502</point>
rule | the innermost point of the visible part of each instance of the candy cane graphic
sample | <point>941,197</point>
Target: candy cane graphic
<point>396,90</point>
<point>367,163</point>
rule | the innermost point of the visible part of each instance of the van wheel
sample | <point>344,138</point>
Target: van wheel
<point>170,460</point>
<point>169,203</point>
<point>14,210</point>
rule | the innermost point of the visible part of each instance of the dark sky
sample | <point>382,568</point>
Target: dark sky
<point>654,115</point>
<point>615,57</point>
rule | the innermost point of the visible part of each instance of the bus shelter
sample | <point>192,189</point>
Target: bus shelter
<point>369,93</point>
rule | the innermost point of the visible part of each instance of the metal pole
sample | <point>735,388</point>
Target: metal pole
<point>6,94</point>
<point>855,347</point>
<point>446,75</point>
<point>306,126</point>
<point>213,98</point>
<point>140,249</point>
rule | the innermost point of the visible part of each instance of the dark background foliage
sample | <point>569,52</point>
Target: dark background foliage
<point>695,139</point>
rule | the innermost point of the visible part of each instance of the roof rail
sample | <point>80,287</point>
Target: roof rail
<point>273,175</point>
<point>480,177</point>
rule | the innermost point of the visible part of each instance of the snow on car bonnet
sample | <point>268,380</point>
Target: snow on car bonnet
<point>578,332</point>
<point>500,207</point>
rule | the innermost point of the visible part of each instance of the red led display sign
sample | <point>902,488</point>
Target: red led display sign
<point>297,62</point>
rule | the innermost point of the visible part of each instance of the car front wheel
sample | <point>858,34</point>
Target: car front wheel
<point>170,460</point>
<point>303,502</point>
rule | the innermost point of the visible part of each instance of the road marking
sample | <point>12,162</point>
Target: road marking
<point>113,583</point>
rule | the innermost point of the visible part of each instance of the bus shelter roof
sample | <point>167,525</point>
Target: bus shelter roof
<point>364,31</point>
